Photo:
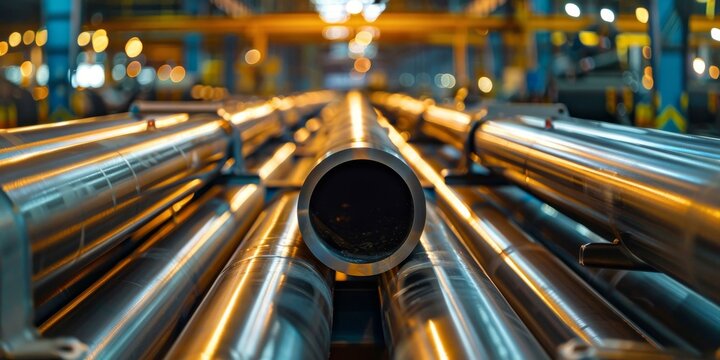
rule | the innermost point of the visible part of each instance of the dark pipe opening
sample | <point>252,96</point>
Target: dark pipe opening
<point>363,210</point>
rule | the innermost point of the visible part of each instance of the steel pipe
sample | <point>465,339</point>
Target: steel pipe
<point>272,300</point>
<point>31,143</point>
<point>76,204</point>
<point>190,107</point>
<point>663,207</point>
<point>140,306</point>
<point>662,141</point>
<point>553,302</point>
<point>36,133</point>
<point>255,125</point>
<point>439,304</point>
<point>659,198</point>
<point>361,209</point>
<point>660,305</point>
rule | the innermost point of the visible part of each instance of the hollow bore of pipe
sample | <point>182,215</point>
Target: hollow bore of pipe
<point>362,210</point>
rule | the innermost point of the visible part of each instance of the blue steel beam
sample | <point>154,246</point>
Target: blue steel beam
<point>62,24</point>
<point>668,27</point>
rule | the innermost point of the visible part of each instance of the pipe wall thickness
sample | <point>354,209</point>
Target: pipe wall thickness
<point>361,209</point>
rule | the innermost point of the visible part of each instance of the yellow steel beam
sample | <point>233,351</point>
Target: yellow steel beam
<point>420,24</point>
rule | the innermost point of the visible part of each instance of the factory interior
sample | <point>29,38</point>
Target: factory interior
<point>360,179</point>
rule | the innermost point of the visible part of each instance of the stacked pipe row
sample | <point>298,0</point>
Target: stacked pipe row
<point>656,193</point>
<point>83,194</point>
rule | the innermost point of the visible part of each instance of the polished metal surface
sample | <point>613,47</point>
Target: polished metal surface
<point>76,204</point>
<point>29,134</point>
<point>361,209</point>
<point>49,302</point>
<point>552,301</point>
<point>40,142</point>
<point>664,308</point>
<point>663,207</point>
<point>273,300</point>
<point>447,125</point>
<point>190,107</point>
<point>296,108</point>
<point>662,141</point>
<point>140,306</point>
<point>440,305</point>
<point>255,124</point>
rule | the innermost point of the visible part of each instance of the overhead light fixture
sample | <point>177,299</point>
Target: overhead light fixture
<point>572,9</point>
<point>607,15</point>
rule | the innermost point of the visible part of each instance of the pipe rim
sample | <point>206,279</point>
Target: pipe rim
<point>322,251</point>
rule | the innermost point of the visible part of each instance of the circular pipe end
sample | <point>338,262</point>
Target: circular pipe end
<point>361,211</point>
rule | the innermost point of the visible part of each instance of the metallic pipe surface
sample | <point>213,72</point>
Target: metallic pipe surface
<point>141,305</point>
<point>663,207</point>
<point>49,302</point>
<point>34,144</point>
<point>273,299</point>
<point>663,141</point>
<point>190,107</point>
<point>256,124</point>
<point>361,209</point>
<point>553,302</point>
<point>439,304</point>
<point>78,203</point>
<point>29,134</point>
<point>660,305</point>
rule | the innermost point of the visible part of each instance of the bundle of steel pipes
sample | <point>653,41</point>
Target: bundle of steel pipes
<point>315,226</point>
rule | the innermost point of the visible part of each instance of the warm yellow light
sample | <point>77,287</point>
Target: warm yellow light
<point>362,65</point>
<point>14,39</point>
<point>252,56</point>
<point>647,52</point>
<point>28,37</point>
<point>100,40</point>
<point>26,68</point>
<point>133,69</point>
<point>40,93</point>
<point>558,38</point>
<point>648,71</point>
<point>177,74</point>
<point>3,48</point>
<point>41,37</point>
<point>364,38</point>
<point>714,72</point>
<point>698,65</point>
<point>163,72</point>
<point>589,38</point>
<point>647,82</point>
<point>83,39</point>
<point>642,15</point>
<point>133,47</point>
<point>335,32</point>
<point>485,84</point>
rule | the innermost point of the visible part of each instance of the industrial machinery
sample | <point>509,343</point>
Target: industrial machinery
<point>325,225</point>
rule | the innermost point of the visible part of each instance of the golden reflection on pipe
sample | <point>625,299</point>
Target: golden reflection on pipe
<point>439,346</point>
<point>486,229</point>
<point>278,158</point>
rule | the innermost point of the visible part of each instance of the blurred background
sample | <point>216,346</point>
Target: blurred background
<point>636,62</point>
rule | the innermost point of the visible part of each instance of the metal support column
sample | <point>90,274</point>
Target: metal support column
<point>62,24</point>
<point>668,37</point>
<point>230,53</point>
<point>193,41</point>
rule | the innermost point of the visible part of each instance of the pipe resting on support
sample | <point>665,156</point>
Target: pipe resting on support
<point>553,302</point>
